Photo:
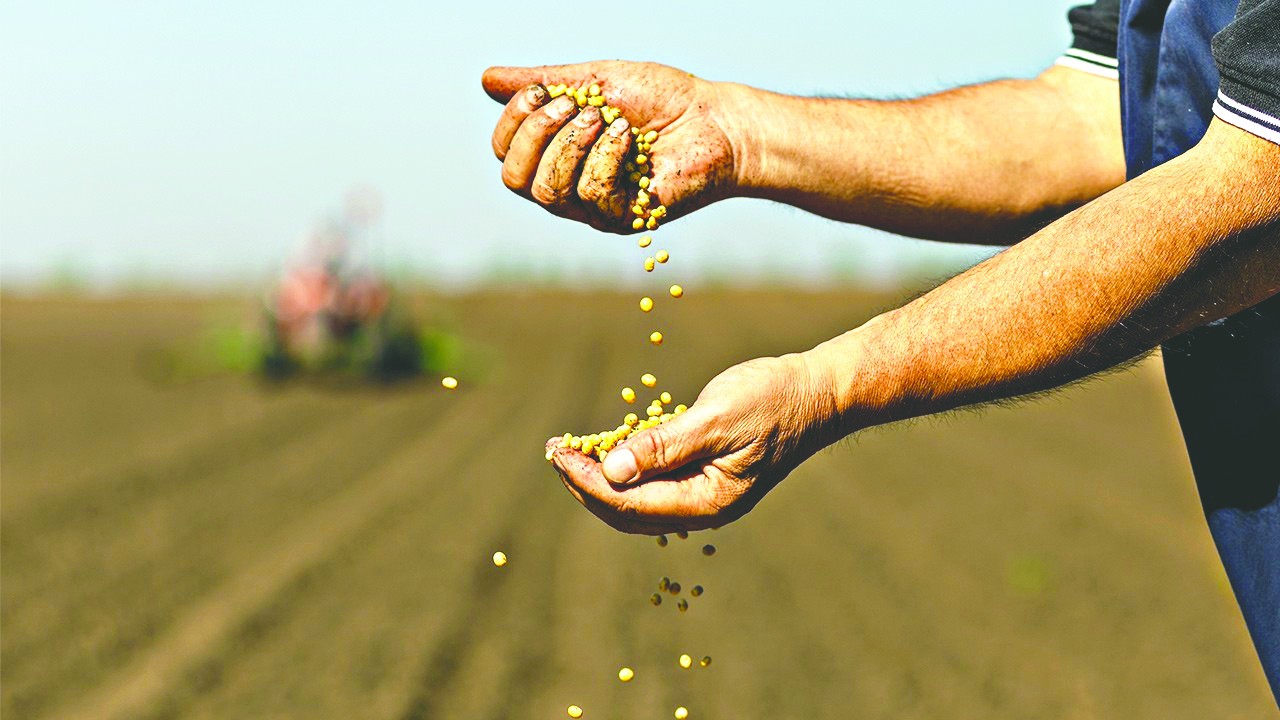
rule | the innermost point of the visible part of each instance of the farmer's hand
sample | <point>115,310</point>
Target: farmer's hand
<point>750,427</point>
<point>566,161</point>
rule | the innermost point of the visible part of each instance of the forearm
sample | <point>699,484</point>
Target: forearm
<point>1192,241</point>
<point>992,161</point>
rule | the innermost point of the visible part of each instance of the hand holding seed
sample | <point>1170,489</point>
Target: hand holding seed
<point>709,465</point>
<point>574,163</point>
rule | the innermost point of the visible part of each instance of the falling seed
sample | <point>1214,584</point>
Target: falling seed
<point>574,711</point>
<point>625,674</point>
<point>449,382</point>
<point>662,541</point>
<point>696,590</point>
<point>708,550</point>
<point>686,662</point>
<point>656,599</point>
<point>499,558</point>
<point>674,588</point>
<point>663,584</point>
<point>682,712</point>
<point>682,534</point>
<point>705,661</point>
<point>682,606</point>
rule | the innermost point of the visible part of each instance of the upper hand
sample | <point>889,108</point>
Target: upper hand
<point>750,427</point>
<point>565,160</point>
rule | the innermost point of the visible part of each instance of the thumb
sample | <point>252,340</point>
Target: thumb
<point>662,449</point>
<point>503,82</point>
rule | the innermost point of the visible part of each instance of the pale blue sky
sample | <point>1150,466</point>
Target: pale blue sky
<point>202,141</point>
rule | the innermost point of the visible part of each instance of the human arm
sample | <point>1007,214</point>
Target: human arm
<point>989,162</point>
<point>1193,240</point>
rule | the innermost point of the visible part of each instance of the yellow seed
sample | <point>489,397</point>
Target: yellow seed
<point>652,411</point>
<point>635,177</point>
<point>683,605</point>
<point>646,304</point>
<point>630,419</point>
<point>576,443</point>
<point>593,90</point>
<point>644,241</point>
<point>555,91</point>
<point>705,661</point>
<point>677,291</point>
<point>576,712</point>
<point>644,183</point>
<point>708,550</point>
<point>635,131</point>
<point>603,454</point>
<point>449,383</point>
<point>642,198</point>
<point>499,558</point>
<point>665,397</point>
<point>662,256</point>
<point>666,417</point>
<point>680,408</point>
<point>571,91</point>
<point>628,394</point>
<point>648,262</point>
<point>696,590</point>
<point>651,224</point>
<point>682,712</point>
<point>651,136</point>
<point>625,674</point>
<point>655,337</point>
<point>596,101</point>
<point>686,662</point>
<point>637,209</point>
<point>580,97</point>
<point>660,211</point>
<point>662,542</point>
<point>637,224</point>
<point>642,159</point>
<point>648,380</point>
<point>608,114</point>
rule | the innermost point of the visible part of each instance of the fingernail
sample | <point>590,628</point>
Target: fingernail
<point>618,127</point>
<point>533,97</point>
<point>560,107</point>
<point>587,117</point>
<point>620,467</point>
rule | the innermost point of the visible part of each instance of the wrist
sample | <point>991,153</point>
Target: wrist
<point>860,380</point>
<point>744,114</point>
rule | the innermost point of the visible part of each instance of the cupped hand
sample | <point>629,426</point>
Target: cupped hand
<point>571,164</point>
<point>750,427</point>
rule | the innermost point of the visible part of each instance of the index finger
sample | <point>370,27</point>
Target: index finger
<point>502,83</point>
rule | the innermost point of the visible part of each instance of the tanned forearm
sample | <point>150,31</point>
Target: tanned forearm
<point>989,163</point>
<point>1194,240</point>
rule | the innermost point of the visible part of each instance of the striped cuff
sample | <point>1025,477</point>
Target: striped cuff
<point>1246,118</point>
<point>1100,65</point>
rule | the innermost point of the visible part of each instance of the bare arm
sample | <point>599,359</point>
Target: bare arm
<point>993,161</point>
<point>987,163</point>
<point>1191,241</point>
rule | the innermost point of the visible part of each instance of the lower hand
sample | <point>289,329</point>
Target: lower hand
<point>750,427</point>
